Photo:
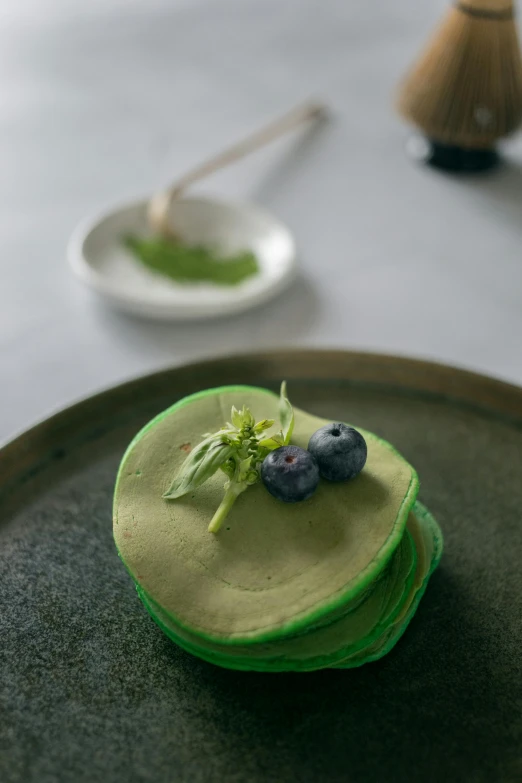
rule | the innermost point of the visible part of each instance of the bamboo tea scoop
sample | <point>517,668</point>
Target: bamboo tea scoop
<point>160,205</point>
<point>99,259</point>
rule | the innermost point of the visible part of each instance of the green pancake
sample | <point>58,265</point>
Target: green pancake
<point>428,540</point>
<point>404,593</point>
<point>275,570</point>
<point>317,648</point>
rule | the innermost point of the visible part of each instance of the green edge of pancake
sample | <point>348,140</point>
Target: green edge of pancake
<point>300,652</point>
<point>431,527</point>
<point>334,602</point>
<point>427,519</point>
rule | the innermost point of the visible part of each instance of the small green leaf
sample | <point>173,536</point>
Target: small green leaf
<point>199,466</point>
<point>263,425</point>
<point>244,468</point>
<point>286,415</point>
<point>229,468</point>
<point>248,419</point>
<point>273,442</point>
<point>237,418</point>
<point>226,435</point>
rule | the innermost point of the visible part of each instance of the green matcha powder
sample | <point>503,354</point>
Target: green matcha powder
<point>192,263</point>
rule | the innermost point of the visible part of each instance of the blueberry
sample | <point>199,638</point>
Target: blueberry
<point>340,451</point>
<point>290,474</point>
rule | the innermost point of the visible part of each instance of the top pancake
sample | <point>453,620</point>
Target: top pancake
<point>274,567</point>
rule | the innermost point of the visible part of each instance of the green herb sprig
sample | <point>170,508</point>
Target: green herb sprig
<point>238,449</point>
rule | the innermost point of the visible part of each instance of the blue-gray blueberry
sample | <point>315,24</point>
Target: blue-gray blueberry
<point>290,474</point>
<point>340,451</point>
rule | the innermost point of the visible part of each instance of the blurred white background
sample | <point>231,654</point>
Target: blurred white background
<point>103,101</point>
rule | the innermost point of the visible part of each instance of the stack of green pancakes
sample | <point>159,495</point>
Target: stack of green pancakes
<point>332,581</point>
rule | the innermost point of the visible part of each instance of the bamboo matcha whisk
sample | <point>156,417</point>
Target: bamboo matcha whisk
<point>465,92</point>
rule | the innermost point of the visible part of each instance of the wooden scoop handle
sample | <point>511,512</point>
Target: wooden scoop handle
<point>160,204</point>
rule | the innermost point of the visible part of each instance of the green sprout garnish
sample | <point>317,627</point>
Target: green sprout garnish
<point>238,449</point>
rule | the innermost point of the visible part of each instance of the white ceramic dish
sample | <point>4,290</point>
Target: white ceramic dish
<point>99,260</point>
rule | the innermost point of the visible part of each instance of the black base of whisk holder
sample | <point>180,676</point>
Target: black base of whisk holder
<point>457,159</point>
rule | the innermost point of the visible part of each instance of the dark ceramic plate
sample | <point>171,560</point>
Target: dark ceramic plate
<point>91,690</point>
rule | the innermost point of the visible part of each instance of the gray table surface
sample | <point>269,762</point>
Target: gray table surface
<point>107,100</point>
